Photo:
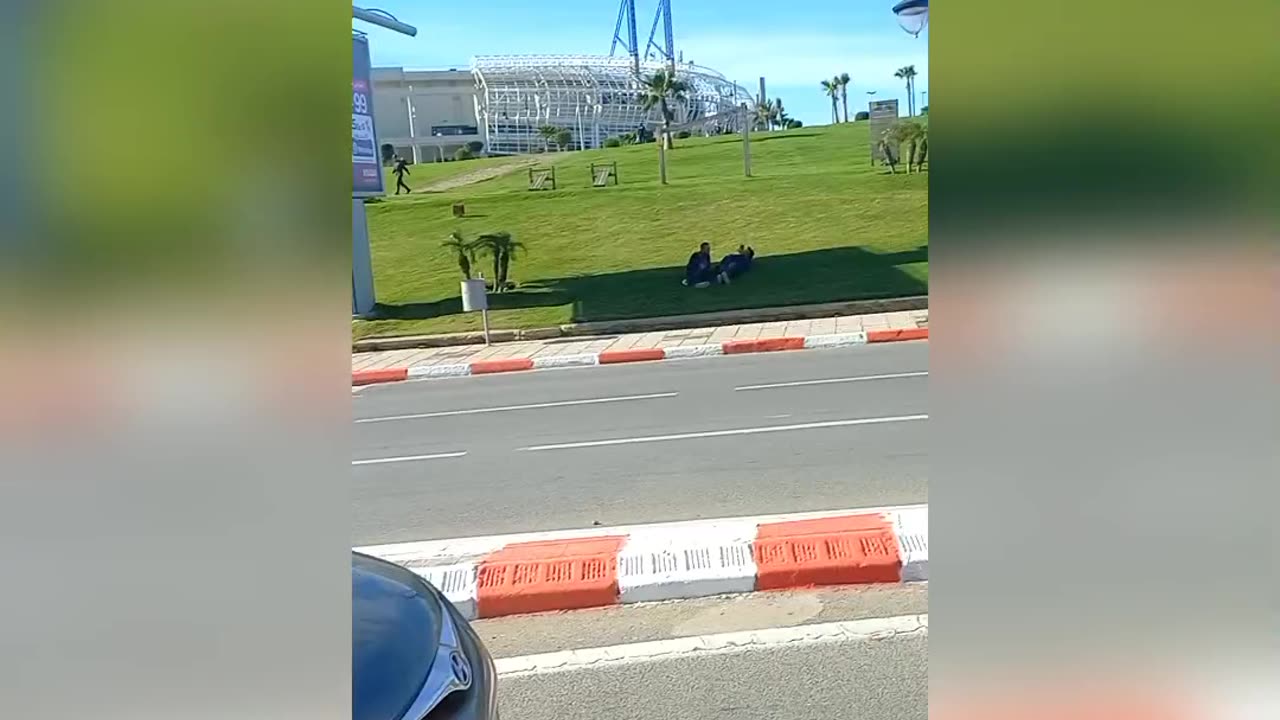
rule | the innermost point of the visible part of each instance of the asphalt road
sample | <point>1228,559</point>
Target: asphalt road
<point>785,668</point>
<point>885,679</point>
<point>651,442</point>
<point>517,635</point>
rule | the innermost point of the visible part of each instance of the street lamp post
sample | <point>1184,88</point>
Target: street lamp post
<point>383,19</point>
<point>363,297</point>
<point>413,135</point>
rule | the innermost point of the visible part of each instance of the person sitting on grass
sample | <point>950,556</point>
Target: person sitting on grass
<point>698,272</point>
<point>735,264</point>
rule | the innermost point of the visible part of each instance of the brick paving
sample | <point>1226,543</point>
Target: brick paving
<point>673,338</point>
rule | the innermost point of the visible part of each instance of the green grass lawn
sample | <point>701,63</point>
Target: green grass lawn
<point>825,225</point>
<point>424,174</point>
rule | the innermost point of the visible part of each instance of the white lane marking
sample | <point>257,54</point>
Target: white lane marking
<point>408,458</point>
<point>830,381</point>
<point>726,433</point>
<point>445,552</point>
<point>870,629</point>
<point>509,408</point>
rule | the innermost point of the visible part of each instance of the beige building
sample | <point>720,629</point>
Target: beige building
<point>426,115</point>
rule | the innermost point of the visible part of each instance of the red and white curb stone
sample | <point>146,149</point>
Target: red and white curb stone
<point>613,357</point>
<point>539,572</point>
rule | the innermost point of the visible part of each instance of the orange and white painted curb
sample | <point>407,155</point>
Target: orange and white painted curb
<point>600,567</point>
<point>613,357</point>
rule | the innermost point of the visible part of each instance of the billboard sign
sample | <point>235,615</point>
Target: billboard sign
<point>365,161</point>
<point>882,116</point>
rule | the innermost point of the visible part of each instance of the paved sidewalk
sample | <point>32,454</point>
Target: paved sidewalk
<point>538,349</point>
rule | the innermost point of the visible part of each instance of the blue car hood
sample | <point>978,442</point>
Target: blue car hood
<point>395,629</point>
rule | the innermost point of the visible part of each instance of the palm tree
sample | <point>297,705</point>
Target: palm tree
<point>908,73</point>
<point>564,136</point>
<point>780,113</point>
<point>464,251</point>
<point>503,250</point>
<point>510,249</point>
<point>662,90</point>
<point>548,134</point>
<point>832,89</point>
<point>766,116</point>
<point>888,148</point>
<point>922,150</point>
<point>909,133</point>
<point>844,93</point>
<point>491,244</point>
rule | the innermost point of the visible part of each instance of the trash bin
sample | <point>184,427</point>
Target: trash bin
<point>473,295</point>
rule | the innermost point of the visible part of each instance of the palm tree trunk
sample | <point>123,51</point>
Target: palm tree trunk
<point>666,123</point>
<point>844,100</point>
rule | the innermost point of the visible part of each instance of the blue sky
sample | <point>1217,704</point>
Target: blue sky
<point>793,45</point>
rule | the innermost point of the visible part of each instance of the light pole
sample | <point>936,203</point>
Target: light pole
<point>413,135</point>
<point>383,19</point>
<point>363,297</point>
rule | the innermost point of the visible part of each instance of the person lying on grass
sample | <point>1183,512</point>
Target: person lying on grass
<point>735,264</point>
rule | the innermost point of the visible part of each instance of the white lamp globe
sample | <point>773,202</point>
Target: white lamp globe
<point>913,15</point>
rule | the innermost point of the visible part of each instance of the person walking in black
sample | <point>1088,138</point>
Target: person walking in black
<point>402,169</point>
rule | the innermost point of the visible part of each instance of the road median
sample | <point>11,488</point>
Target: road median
<point>671,561</point>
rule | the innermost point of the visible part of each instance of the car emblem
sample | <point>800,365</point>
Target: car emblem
<point>461,669</point>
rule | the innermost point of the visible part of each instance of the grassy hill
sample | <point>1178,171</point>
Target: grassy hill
<point>826,226</point>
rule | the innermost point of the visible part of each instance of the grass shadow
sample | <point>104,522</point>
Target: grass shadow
<point>526,296</point>
<point>783,136</point>
<point>737,137</point>
<point>816,276</point>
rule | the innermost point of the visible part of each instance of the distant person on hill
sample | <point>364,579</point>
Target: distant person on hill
<point>698,272</point>
<point>735,264</point>
<point>402,169</point>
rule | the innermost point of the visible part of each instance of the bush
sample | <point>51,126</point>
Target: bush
<point>924,110</point>
<point>476,147</point>
<point>628,138</point>
<point>612,142</point>
<point>792,124</point>
<point>861,115</point>
<point>683,134</point>
<point>463,153</point>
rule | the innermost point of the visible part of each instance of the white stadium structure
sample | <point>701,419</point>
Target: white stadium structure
<point>594,97</point>
<point>503,99</point>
